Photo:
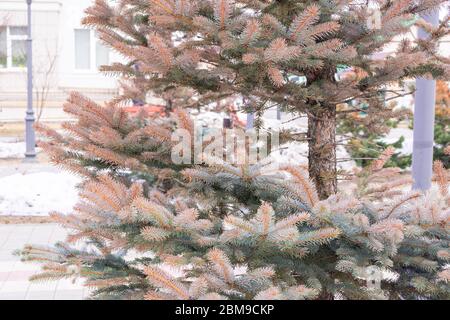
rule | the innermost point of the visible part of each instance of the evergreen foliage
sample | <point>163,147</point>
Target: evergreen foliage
<point>365,144</point>
<point>221,231</point>
<point>254,50</point>
<point>442,123</point>
<point>155,230</point>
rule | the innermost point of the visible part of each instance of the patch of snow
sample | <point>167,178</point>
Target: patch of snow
<point>208,119</point>
<point>12,149</point>
<point>395,134</point>
<point>296,153</point>
<point>38,194</point>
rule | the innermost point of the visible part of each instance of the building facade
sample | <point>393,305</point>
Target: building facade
<point>66,56</point>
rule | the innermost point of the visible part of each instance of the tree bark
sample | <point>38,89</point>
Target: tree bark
<point>322,150</point>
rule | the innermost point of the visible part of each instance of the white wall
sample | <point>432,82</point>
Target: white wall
<point>72,13</point>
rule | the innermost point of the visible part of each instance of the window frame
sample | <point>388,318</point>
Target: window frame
<point>9,40</point>
<point>93,40</point>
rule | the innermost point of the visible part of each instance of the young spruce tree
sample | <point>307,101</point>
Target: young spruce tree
<point>155,230</point>
<point>257,50</point>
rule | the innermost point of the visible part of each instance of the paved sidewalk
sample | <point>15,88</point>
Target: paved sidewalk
<point>14,274</point>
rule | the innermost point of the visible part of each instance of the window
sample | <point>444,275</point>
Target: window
<point>90,53</point>
<point>13,47</point>
<point>3,48</point>
<point>102,55</point>
<point>82,49</point>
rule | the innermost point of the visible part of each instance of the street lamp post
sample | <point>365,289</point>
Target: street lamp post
<point>250,121</point>
<point>30,137</point>
<point>424,114</point>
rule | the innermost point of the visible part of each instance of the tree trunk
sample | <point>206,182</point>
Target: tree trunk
<point>322,150</point>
